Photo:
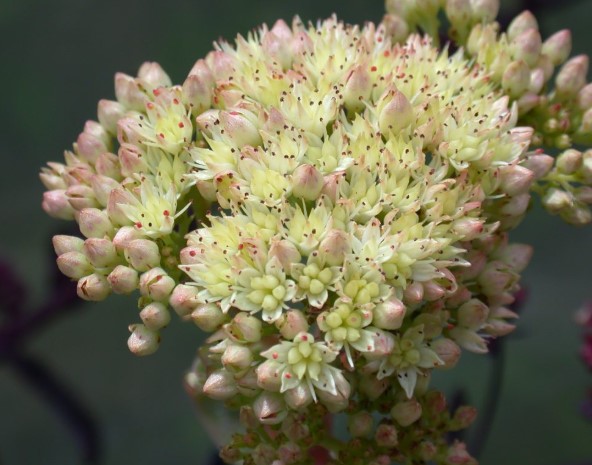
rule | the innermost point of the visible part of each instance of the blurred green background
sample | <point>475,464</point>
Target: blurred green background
<point>57,59</point>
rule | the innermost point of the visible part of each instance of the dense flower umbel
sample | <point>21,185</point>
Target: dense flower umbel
<point>333,204</point>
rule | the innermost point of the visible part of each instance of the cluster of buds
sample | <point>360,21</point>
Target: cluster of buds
<point>333,205</point>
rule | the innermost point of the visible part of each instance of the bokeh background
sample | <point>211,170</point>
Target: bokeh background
<point>57,59</point>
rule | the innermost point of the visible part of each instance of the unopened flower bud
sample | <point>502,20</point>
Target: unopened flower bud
<point>373,387</point>
<point>558,47</point>
<point>458,455</point>
<point>527,46</point>
<point>94,223</point>
<point>407,412</point>
<point>467,228</point>
<point>221,64</point>
<point>155,316</point>
<point>74,265</point>
<point>230,454</point>
<point>539,164</point>
<point>142,254</point>
<point>577,214</point>
<point>516,205</point>
<point>237,357</point>
<point>463,417</point>
<point>307,182</point>
<point>298,398</point>
<point>156,284</point>
<point>395,27</point>
<point>89,147</point>
<point>433,291</point>
<point>81,196</point>
<point>583,194</point>
<point>244,328</point>
<point>413,293</point>
<point>447,350</point>
<point>63,244</point>
<point>278,48</point>
<point>334,246</point>
<point>485,11</point>
<point>207,317</point>
<point>386,436</point>
<point>435,403</point>
<point>239,129</point>
<point>128,92</point>
<point>585,97</point>
<point>102,187</point>
<point>198,87</point>
<point>291,323</point>
<point>569,161</point>
<point>358,87</point>
<point>523,22</point>
<point>142,341</point>
<point>109,112</point>
<point>131,159</point>
<point>360,424</point>
<point>184,299</point>
<point>586,124</point>
<point>468,339</point>
<point>108,165</point>
<point>516,78</point>
<point>152,74</point>
<point>556,200</point>
<point>515,179</point>
<point>56,204</point>
<point>123,236</point>
<point>572,76</point>
<point>394,112</point>
<point>93,287</point>
<point>100,252</point>
<point>220,385</point>
<point>427,450</point>
<point>587,166</point>
<point>389,314</point>
<point>268,376</point>
<point>123,279</point>
<point>290,454</point>
<point>269,408</point>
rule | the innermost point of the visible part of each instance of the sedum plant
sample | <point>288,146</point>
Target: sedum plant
<point>332,204</point>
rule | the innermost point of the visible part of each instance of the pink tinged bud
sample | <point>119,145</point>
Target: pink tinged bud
<point>268,376</point>
<point>516,78</point>
<point>521,23</point>
<point>123,236</point>
<point>433,291</point>
<point>331,185</point>
<point>413,293</point>
<point>221,64</point>
<point>307,182</point>
<point>556,200</point>
<point>244,328</point>
<point>334,247</point>
<point>496,278</point>
<point>286,252</point>
<point>142,341</point>
<point>277,48</point>
<point>109,112</point>
<point>230,454</point>
<point>81,196</point>
<point>156,283</point>
<point>587,166</point>
<point>386,436</point>
<point>301,43</point>
<point>515,179</point>
<point>572,76</point>
<point>184,299</point>
<point>220,385</point>
<point>56,204</point>
<point>435,403</point>
<point>100,252</point>
<point>473,314</point>
<point>585,97</point>
<point>396,113</point>
<point>63,244</point>
<point>516,256</point>
<point>583,194</point>
<point>469,340</point>
<point>291,323</point>
<point>299,397</point>
<point>270,409</point>
<point>468,228</point>
<point>357,89</point>
<point>208,317</point>
<point>447,350</point>
<point>93,287</point>
<point>94,223</point>
<point>407,412</point>
<point>427,450</point>
<point>130,159</point>
<point>198,87</point>
<point>108,165</point>
<point>123,279</point>
<point>339,401</point>
<point>537,81</point>
<point>117,197</point>
<point>289,454</point>
<point>373,387</point>
<point>239,129</point>
<point>558,47</point>
<point>540,165</point>
<point>152,74</point>
<point>458,455</point>
<point>74,265</point>
<point>88,147</point>
<point>142,254</point>
<point>237,358</point>
<point>128,92</point>
<point>102,187</point>
<point>129,131</point>
<point>516,206</point>
<point>389,314</point>
<point>361,424</point>
<point>485,10</point>
<point>155,316</point>
<point>569,161</point>
<point>527,46</point>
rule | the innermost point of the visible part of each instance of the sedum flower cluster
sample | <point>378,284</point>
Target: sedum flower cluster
<point>332,204</point>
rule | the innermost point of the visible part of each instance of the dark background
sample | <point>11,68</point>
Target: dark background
<point>57,59</point>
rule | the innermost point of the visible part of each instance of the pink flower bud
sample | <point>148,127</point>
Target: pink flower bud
<point>142,254</point>
<point>107,164</point>
<point>433,291</point>
<point>220,385</point>
<point>407,412</point>
<point>123,236</point>
<point>230,454</point>
<point>332,184</point>
<point>221,64</point>
<point>515,179</point>
<point>373,387</point>
<point>237,358</point>
<point>435,403</point>
<point>558,47</point>
<point>447,350</point>
<point>155,316</point>
<point>128,92</point>
<point>386,436</point>
<point>102,187</point>
<point>156,283</point>
<point>286,253</point>
<point>94,223</point>
<point>290,454</point>
<point>123,279</point>
<point>301,43</point>
<point>291,323</point>
<point>569,161</point>
<point>360,424</point>
<point>516,78</point>
<point>358,87</point>
<point>572,76</point>
<point>88,147</point>
<point>298,398</point>
<point>586,124</point>
<point>496,278</point>
<point>469,340</point>
<point>458,455</point>
<point>63,244</point>
<point>109,112</point>
<point>485,11</point>
<point>556,200</point>
<point>208,317</point>
<point>244,328</point>
<point>130,158</point>
<point>339,401</point>
<point>539,164</point>
<point>585,97</point>
<point>142,341</point>
<point>521,23</point>
<point>152,74</point>
<point>307,182</point>
<point>129,131</point>
<point>389,314</point>
<point>413,293</point>
<point>467,229</point>
<point>268,376</point>
<point>394,112</point>
<point>100,252</point>
<point>334,246</point>
<point>516,206</point>
<point>74,265</point>
<point>239,129</point>
<point>198,87</point>
<point>583,194</point>
<point>93,287</point>
<point>56,204</point>
<point>269,408</point>
<point>527,46</point>
<point>81,196</point>
<point>427,450</point>
<point>277,47</point>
